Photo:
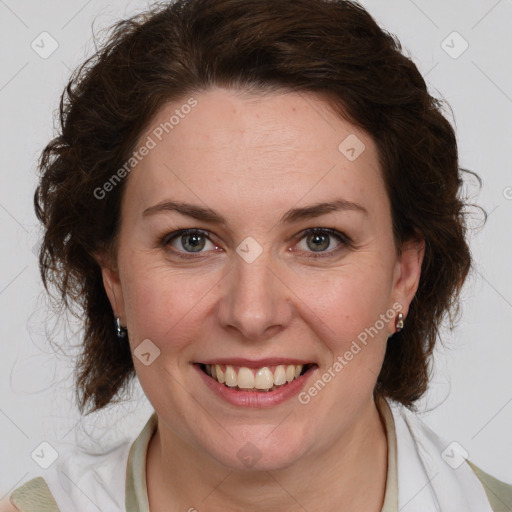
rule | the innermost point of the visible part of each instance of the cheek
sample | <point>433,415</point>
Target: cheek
<point>165,309</point>
<point>349,298</point>
<point>165,305</point>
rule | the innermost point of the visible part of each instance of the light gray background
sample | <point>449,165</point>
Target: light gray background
<point>470,400</point>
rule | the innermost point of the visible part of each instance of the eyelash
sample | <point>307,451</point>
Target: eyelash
<point>344,240</point>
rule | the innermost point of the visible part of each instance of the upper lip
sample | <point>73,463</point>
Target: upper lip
<point>255,363</point>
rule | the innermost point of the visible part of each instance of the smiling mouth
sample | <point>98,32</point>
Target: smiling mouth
<point>265,379</point>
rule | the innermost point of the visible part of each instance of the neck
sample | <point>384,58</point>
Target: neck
<point>351,472</point>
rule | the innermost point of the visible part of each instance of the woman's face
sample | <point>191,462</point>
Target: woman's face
<point>251,287</point>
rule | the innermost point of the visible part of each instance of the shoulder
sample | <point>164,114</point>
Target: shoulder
<point>32,495</point>
<point>498,492</point>
<point>7,506</point>
<point>422,449</point>
<point>77,481</point>
<point>82,480</point>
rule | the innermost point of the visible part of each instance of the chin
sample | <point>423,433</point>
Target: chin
<point>255,453</point>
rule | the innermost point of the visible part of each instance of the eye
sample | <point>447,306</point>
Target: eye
<point>192,243</point>
<point>188,241</point>
<point>318,240</point>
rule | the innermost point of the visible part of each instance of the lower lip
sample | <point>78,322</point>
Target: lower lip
<point>256,398</point>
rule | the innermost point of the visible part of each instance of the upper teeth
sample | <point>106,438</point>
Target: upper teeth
<point>250,378</point>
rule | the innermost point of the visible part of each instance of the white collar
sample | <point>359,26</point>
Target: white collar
<point>426,482</point>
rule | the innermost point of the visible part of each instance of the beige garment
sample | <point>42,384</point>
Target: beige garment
<point>35,496</point>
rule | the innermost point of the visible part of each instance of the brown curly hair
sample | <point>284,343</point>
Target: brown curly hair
<point>330,47</point>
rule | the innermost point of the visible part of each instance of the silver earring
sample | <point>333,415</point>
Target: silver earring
<point>120,331</point>
<point>399,322</point>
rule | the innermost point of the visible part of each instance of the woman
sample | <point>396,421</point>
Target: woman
<point>252,202</point>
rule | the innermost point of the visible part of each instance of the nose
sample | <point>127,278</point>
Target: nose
<point>255,302</point>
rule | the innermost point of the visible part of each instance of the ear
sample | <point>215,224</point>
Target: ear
<point>112,284</point>
<point>408,272</point>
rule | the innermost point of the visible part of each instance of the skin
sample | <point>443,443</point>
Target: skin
<point>6,506</point>
<point>251,159</point>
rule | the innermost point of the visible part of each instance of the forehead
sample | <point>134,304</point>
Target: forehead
<point>251,149</point>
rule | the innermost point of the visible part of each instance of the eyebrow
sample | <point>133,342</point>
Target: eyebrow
<point>294,215</point>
